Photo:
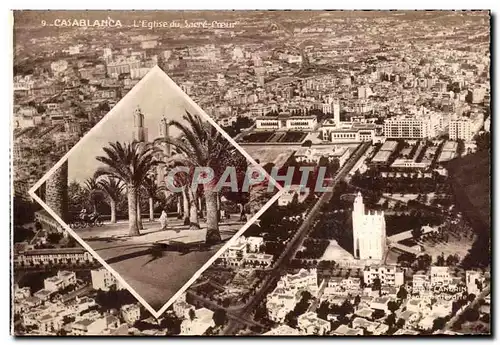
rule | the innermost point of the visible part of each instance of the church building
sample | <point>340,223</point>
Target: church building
<point>368,232</point>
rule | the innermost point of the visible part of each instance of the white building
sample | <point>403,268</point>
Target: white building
<point>487,124</point>
<point>59,66</point>
<point>380,303</point>
<point>74,50</point>
<point>121,66</point>
<point>368,232</point>
<point>339,286</point>
<point>473,280</point>
<point>99,326</point>
<point>246,250</point>
<point>407,127</point>
<point>130,313</point>
<point>53,256</point>
<point>282,330</point>
<point>388,275</point>
<point>288,293</point>
<point>202,321</point>
<point>21,293</point>
<point>102,279</point>
<point>107,54</point>
<point>313,155</point>
<point>60,281</point>
<point>364,92</point>
<point>465,128</point>
<point>286,122</point>
<point>310,324</point>
<point>181,307</point>
<point>138,73</point>
<point>302,280</point>
<point>349,132</point>
<point>420,282</point>
<point>440,276</point>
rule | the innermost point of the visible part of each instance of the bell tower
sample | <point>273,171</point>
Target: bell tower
<point>140,132</point>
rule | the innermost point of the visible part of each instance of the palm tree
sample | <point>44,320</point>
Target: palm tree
<point>202,145</point>
<point>189,198</point>
<point>152,189</point>
<point>113,189</point>
<point>92,191</point>
<point>130,163</point>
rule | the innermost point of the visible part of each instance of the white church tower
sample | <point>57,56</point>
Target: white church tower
<point>368,232</point>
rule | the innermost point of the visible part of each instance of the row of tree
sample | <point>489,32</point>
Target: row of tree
<point>133,167</point>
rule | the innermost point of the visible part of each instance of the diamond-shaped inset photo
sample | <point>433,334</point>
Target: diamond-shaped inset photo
<point>156,190</point>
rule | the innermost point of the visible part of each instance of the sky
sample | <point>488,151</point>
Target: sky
<point>156,98</point>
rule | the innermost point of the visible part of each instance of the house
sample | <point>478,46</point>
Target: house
<point>103,280</point>
<point>282,330</point>
<point>181,307</point>
<point>60,281</point>
<point>43,294</point>
<point>309,155</point>
<point>259,259</point>
<point>360,322</point>
<point>26,304</point>
<point>245,250</point>
<point>474,280</point>
<point>21,293</point>
<point>280,302</point>
<point>130,313</point>
<point>81,304</point>
<point>364,313</point>
<point>81,327</point>
<point>203,320</point>
<point>31,318</point>
<point>288,292</point>
<point>421,282</point>
<point>302,280</point>
<point>380,303</point>
<point>254,243</point>
<point>50,323</point>
<point>440,276</point>
<point>341,286</point>
<point>389,291</point>
<point>346,330</point>
<point>309,324</point>
<point>388,275</point>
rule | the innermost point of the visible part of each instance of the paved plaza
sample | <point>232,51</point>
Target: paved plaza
<point>155,278</point>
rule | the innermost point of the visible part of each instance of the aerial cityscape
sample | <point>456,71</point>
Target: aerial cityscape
<point>388,109</point>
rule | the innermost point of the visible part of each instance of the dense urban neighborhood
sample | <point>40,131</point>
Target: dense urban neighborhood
<point>394,106</point>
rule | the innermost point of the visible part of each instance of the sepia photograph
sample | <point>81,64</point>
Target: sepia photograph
<point>252,173</point>
<point>119,191</point>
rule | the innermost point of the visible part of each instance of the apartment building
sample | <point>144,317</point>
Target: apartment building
<point>388,275</point>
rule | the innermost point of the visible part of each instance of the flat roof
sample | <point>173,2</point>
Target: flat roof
<point>389,146</point>
<point>382,156</point>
